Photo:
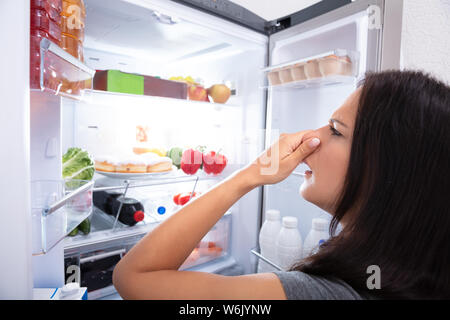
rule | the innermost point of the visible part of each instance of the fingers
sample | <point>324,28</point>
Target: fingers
<point>305,149</point>
<point>298,138</point>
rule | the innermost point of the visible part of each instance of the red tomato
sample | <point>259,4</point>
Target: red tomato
<point>191,160</point>
<point>214,163</point>
<point>185,197</point>
<point>176,198</point>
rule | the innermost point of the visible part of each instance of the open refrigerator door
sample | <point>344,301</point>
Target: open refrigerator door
<point>314,67</point>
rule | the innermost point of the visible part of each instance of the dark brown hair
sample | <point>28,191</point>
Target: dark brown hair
<point>397,187</point>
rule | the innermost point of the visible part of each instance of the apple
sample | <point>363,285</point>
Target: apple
<point>220,93</point>
<point>197,93</point>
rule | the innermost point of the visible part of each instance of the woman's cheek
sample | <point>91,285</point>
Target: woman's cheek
<point>324,186</point>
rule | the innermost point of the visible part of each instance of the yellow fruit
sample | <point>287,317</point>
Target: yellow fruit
<point>159,152</point>
<point>220,93</point>
<point>189,79</point>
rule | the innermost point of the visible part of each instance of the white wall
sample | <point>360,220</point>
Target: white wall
<point>425,37</point>
<point>15,217</point>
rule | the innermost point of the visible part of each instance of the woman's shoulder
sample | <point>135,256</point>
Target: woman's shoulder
<point>298,285</point>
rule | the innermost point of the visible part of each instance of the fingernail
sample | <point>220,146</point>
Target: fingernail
<point>314,143</point>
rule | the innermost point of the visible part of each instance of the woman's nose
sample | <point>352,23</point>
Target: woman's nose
<point>312,134</point>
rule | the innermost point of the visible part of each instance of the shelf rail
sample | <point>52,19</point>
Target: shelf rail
<point>59,204</point>
<point>127,185</point>
<point>259,256</point>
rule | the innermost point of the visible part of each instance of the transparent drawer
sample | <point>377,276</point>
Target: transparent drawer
<point>215,244</point>
<point>57,207</point>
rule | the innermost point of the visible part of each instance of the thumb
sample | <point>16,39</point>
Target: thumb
<point>305,149</point>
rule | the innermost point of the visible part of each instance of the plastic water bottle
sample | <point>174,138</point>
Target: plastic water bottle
<point>267,237</point>
<point>288,243</point>
<point>317,235</point>
<point>159,207</point>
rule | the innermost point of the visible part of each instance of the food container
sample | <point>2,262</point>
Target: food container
<point>285,74</point>
<point>39,19</point>
<point>298,71</point>
<point>117,81</point>
<point>312,69</point>
<point>72,46</point>
<point>74,29</point>
<point>71,7</point>
<point>274,77</point>
<point>334,64</point>
<point>52,8</point>
<point>55,4</point>
<point>154,86</point>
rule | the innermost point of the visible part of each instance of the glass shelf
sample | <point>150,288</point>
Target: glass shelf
<point>62,74</point>
<point>329,68</point>
<point>108,97</point>
<point>109,184</point>
<point>105,227</point>
<point>57,207</point>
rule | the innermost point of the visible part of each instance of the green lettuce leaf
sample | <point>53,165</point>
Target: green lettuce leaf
<point>77,164</point>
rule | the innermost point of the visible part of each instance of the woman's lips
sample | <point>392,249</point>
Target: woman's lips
<point>308,172</point>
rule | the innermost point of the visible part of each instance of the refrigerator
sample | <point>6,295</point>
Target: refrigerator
<point>215,41</point>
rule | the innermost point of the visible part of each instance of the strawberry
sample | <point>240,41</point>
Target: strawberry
<point>214,163</point>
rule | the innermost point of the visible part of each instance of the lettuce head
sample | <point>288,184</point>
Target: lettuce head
<point>77,164</point>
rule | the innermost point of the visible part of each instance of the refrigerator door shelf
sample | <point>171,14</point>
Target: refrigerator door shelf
<point>332,67</point>
<point>314,83</point>
<point>56,71</point>
<point>58,207</point>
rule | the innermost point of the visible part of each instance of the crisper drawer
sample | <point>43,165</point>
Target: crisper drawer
<point>92,265</point>
<point>215,244</point>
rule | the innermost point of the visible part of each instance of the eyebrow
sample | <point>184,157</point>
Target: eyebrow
<point>340,122</point>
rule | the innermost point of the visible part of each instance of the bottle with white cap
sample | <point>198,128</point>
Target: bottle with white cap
<point>288,243</point>
<point>316,236</point>
<point>267,237</point>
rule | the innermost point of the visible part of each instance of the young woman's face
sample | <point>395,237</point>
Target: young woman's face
<point>328,164</point>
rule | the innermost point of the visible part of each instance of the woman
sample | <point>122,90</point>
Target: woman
<point>380,168</point>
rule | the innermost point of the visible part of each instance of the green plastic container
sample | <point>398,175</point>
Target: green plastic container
<point>117,81</point>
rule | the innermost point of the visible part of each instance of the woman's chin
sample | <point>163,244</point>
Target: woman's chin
<point>305,190</point>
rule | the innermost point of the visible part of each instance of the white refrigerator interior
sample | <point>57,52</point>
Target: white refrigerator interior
<point>128,37</point>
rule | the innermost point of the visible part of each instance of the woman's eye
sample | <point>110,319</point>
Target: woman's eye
<point>334,132</point>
